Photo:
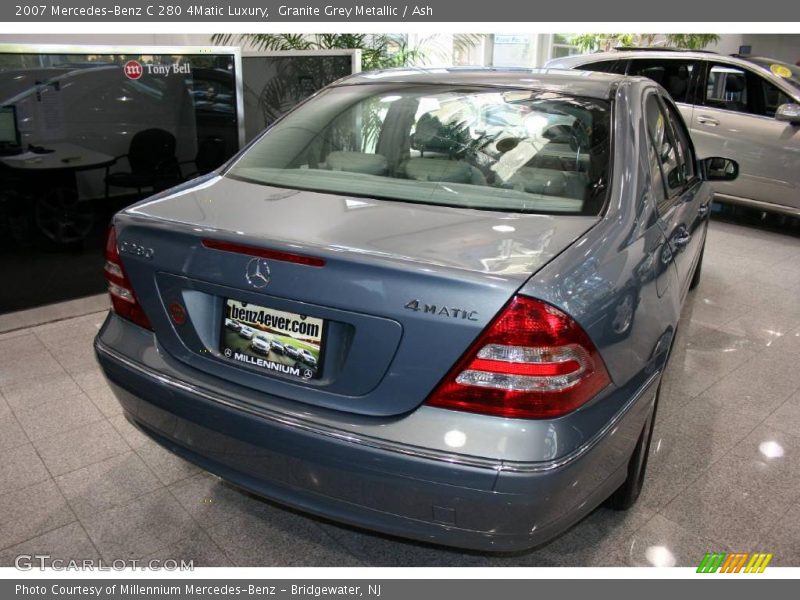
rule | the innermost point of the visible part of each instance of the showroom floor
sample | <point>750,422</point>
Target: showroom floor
<point>77,481</point>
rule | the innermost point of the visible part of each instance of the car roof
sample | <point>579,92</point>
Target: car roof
<point>624,54</point>
<point>578,83</point>
<point>579,59</point>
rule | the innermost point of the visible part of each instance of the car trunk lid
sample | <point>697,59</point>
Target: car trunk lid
<point>402,288</point>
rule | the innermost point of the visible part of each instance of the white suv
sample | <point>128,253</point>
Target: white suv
<point>746,108</point>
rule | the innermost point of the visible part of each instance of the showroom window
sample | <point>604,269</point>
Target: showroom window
<point>563,47</point>
<point>91,133</point>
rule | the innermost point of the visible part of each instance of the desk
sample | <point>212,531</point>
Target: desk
<point>65,157</point>
<point>49,179</point>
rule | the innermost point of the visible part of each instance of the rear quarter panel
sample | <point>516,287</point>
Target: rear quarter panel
<point>624,255</point>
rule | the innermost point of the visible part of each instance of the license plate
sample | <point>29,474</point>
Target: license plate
<point>274,341</point>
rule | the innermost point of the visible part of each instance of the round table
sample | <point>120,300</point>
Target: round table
<point>59,212</point>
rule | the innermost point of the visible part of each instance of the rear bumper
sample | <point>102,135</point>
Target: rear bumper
<point>457,501</point>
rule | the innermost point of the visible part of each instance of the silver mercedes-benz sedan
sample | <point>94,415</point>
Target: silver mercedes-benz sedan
<point>487,268</point>
<point>743,107</point>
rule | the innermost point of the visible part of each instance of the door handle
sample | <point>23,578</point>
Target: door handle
<point>703,120</point>
<point>703,210</point>
<point>682,239</point>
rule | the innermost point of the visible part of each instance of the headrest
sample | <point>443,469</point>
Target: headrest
<point>438,169</point>
<point>734,83</point>
<point>357,162</point>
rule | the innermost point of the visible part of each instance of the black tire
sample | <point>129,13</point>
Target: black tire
<point>63,217</point>
<point>699,267</point>
<point>628,493</point>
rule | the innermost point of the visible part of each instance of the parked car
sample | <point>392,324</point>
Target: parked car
<point>308,358</point>
<point>497,311</point>
<point>291,351</point>
<point>278,347</point>
<point>260,344</point>
<point>743,107</point>
<point>233,325</point>
<point>246,332</point>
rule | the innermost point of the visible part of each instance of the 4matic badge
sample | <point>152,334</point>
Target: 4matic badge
<point>442,310</point>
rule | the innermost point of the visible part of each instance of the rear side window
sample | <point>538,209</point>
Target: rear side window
<point>497,149</point>
<point>674,75</point>
<point>606,66</point>
<point>684,144</point>
<point>672,157</point>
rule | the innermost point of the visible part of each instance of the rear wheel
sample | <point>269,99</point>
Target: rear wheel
<point>626,495</point>
<point>63,217</point>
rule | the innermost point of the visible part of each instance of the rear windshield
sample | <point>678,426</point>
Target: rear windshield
<point>484,148</point>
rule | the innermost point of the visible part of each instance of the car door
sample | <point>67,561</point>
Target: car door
<point>735,118</point>
<point>678,76</point>
<point>682,206</point>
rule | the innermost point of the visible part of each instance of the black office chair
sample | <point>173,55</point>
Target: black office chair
<point>211,153</point>
<point>152,161</point>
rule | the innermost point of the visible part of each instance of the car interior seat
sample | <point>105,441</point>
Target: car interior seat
<point>678,83</point>
<point>441,149</point>
<point>357,162</point>
<point>537,173</point>
<point>549,182</point>
<point>655,73</point>
<point>735,98</point>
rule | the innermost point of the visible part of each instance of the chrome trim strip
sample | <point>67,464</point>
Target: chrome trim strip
<point>757,204</point>
<point>371,442</point>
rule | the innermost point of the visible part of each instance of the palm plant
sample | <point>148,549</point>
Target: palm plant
<point>378,50</point>
<point>593,42</point>
<point>297,77</point>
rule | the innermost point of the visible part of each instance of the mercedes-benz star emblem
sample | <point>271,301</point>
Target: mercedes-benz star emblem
<point>257,273</point>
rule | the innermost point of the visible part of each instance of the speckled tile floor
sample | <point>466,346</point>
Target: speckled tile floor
<point>78,482</point>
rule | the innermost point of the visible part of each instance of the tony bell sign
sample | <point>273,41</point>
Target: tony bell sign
<point>134,69</point>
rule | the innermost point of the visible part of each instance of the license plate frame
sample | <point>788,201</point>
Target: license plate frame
<point>279,342</point>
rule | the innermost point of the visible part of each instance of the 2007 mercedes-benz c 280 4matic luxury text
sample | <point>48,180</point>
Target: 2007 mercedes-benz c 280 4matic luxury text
<point>474,278</point>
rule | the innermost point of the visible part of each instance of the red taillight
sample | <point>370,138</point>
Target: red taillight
<point>123,300</point>
<point>532,362</point>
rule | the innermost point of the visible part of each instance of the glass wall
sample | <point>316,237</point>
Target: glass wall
<point>96,132</point>
<point>273,84</point>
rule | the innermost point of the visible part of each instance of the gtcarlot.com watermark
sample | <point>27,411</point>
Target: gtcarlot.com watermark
<point>29,562</point>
